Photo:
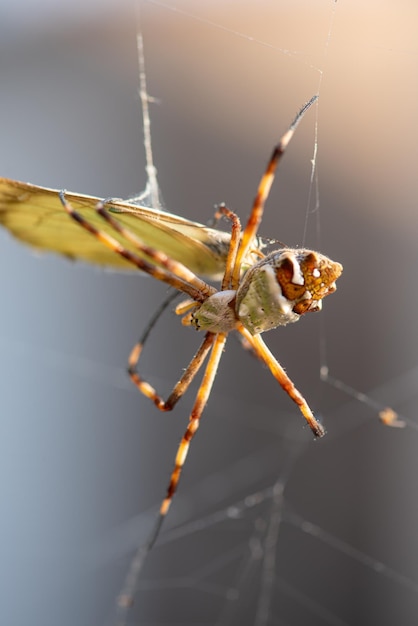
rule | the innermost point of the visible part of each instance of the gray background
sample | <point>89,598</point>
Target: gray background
<point>82,454</point>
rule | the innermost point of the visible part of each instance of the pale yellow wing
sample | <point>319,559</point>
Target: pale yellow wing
<point>35,215</point>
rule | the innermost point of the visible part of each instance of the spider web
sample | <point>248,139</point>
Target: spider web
<point>268,527</point>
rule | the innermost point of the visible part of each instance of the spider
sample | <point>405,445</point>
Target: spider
<point>275,290</point>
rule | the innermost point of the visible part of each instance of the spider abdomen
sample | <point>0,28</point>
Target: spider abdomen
<point>283,286</point>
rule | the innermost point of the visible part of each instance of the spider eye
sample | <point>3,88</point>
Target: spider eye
<point>283,286</point>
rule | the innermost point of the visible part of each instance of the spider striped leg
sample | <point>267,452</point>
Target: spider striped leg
<point>194,419</point>
<point>144,387</point>
<point>263,191</point>
<point>157,256</point>
<point>181,386</point>
<point>126,596</point>
<point>262,351</point>
<point>234,244</point>
<point>163,267</point>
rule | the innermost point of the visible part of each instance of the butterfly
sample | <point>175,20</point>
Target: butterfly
<point>35,216</point>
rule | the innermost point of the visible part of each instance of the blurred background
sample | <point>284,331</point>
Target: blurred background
<point>84,458</point>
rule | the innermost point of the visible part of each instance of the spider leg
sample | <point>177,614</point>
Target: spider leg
<point>181,386</point>
<point>263,191</point>
<point>136,352</point>
<point>194,419</point>
<point>159,258</point>
<point>172,295</point>
<point>163,268</point>
<point>126,596</point>
<point>234,244</point>
<point>262,351</point>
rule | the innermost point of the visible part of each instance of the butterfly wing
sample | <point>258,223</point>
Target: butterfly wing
<point>35,215</point>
